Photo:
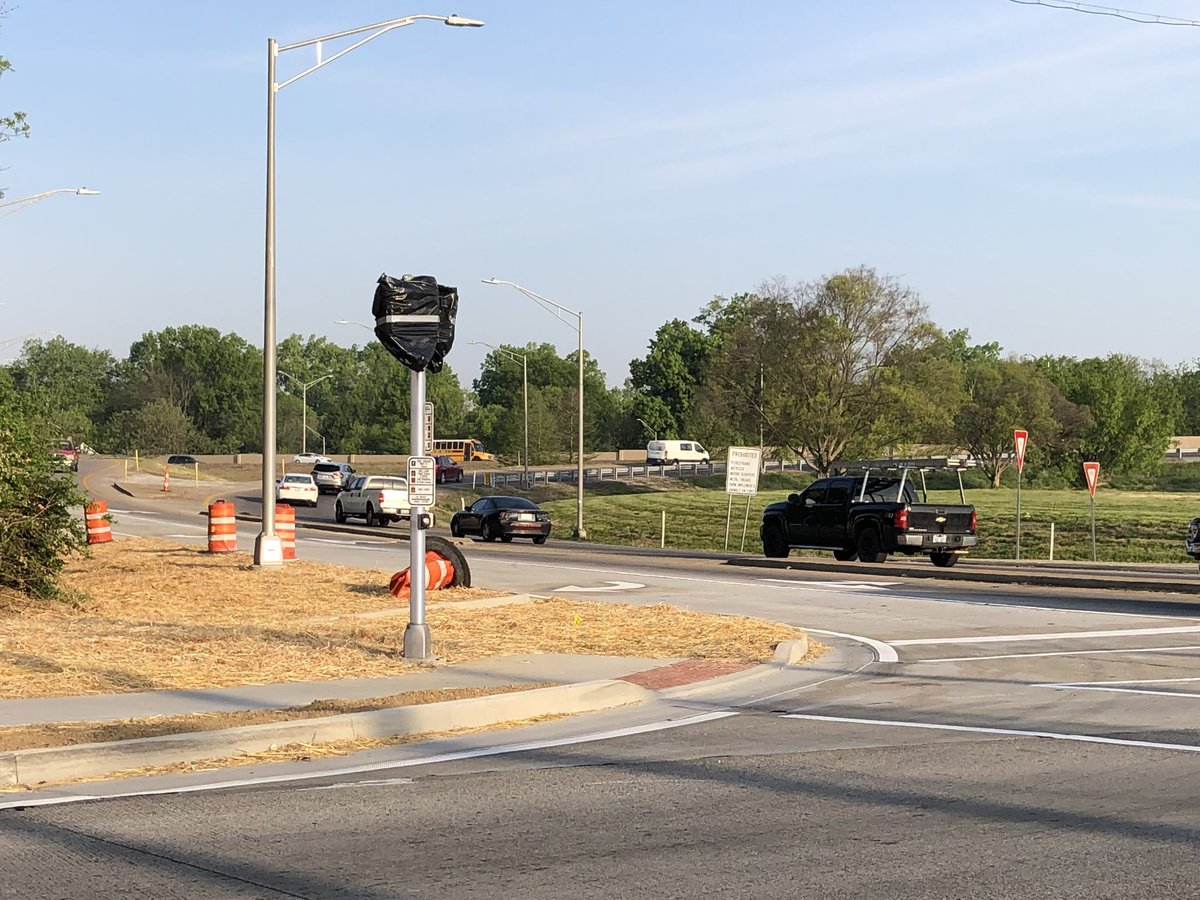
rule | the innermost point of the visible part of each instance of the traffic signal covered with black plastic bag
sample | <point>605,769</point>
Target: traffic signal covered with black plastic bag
<point>414,319</point>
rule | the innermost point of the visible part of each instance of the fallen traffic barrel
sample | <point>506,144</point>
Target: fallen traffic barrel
<point>285,527</point>
<point>99,531</point>
<point>222,527</point>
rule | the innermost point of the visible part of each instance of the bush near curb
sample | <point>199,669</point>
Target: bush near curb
<point>39,521</point>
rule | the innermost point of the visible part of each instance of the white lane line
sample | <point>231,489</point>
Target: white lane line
<point>1059,636</point>
<point>1116,690</point>
<point>1002,732</point>
<point>453,756</point>
<point>1132,681</point>
<point>858,585</point>
<point>884,652</point>
<point>949,659</point>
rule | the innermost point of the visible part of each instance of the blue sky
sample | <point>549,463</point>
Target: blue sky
<point>1032,173</point>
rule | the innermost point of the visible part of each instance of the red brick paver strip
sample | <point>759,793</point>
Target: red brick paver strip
<point>686,672</point>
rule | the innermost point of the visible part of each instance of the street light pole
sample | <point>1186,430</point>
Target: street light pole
<point>551,306</point>
<point>653,431</point>
<point>9,207</point>
<point>304,411</point>
<point>524,393</point>
<point>268,548</point>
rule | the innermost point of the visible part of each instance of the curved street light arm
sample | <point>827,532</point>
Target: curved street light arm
<point>17,205</point>
<point>379,28</point>
<point>545,302</point>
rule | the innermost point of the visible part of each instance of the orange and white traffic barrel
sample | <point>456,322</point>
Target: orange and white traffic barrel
<point>99,531</point>
<point>439,573</point>
<point>222,527</point>
<point>285,527</point>
<point>166,478</point>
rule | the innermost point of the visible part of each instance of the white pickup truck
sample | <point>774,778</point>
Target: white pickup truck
<point>379,499</point>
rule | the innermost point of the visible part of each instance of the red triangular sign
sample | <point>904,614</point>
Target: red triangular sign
<point>1091,471</point>
<point>1019,439</point>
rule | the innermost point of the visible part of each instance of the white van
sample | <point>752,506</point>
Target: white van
<point>666,453</point>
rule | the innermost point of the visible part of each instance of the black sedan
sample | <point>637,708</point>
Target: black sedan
<point>504,518</point>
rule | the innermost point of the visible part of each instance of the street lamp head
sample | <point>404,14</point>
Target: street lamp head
<point>463,22</point>
<point>86,192</point>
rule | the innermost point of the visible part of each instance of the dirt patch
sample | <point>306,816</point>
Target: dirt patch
<point>67,734</point>
<point>155,615</point>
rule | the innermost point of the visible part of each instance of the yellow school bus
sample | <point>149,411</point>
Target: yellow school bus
<point>461,450</point>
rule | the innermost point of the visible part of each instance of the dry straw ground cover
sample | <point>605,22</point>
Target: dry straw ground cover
<point>156,615</point>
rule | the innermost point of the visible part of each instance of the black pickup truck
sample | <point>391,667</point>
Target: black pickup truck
<point>868,517</point>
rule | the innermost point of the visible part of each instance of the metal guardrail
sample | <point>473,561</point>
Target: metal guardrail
<point>616,471</point>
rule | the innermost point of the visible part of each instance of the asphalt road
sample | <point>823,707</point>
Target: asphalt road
<point>957,740</point>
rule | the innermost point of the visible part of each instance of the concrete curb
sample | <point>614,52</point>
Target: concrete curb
<point>1117,581</point>
<point>789,653</point>
<point>31,767</point>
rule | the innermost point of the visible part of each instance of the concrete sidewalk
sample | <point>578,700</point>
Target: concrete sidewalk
<point>582,684</point>
<point>534,668</point>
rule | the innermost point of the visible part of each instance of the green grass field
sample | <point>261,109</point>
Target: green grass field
<point>1130,526</point>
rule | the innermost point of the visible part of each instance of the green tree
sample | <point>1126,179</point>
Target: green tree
<point>70,384</point>
<point>1131,421</point>
<point>215,379</point>
<point>39,508</point>
<point>156,427</point>
<point>833,368</point>
<point>12,125</point>
<point>1004,395</point>
<point>553,386</point>
<point>669,376</point>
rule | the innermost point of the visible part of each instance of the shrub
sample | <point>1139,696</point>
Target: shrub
<point>39,505</point>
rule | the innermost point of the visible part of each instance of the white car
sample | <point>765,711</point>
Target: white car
<point>310,458</point>
<point>296,489</point>
<point>377,498</point>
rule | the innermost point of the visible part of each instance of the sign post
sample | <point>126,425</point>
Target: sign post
<point>414,320</point>
<point>1091,473</point>
<point>741,477</point>
<point>1019,440</point>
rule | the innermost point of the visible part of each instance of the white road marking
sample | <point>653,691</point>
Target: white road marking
<point>1132,681</point>
<point>1001,732</point>
<point>372,782</point>
<point>861,585</point>
<point>884,652</point>
<point>946,659</point>
<point>452,756</point>
<point>1059,636</point>
<point>611,586</point>
<point>1116,690</point>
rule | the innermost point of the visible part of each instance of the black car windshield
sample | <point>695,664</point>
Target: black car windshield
<point>513,503</point>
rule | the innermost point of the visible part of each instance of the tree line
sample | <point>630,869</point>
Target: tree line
<point>845,366</point>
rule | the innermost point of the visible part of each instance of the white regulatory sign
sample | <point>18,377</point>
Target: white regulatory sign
<point>422,478</point>
<point>428,423</point>
<point>741,470</point>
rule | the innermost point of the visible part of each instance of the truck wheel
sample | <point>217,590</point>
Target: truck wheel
<point>869,550</point>
<point>371,520</point>
<point>844,555</point>
<point>943,559</point>
<point>775,545</point>
<point>339,514</point>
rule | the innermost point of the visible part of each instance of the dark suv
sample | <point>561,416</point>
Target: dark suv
<point>1192,544</point>
<point>332,477</point>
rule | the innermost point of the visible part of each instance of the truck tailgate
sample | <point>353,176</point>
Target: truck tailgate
<point>929,517</point>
